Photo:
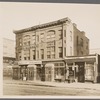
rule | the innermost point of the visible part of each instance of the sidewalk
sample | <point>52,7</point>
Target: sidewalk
<point>55,84</point>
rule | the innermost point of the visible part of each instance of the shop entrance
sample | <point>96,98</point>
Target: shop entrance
<point>38,73</point>
<point>48,74</point>
<point>81,71</point>
<point>24,72</point>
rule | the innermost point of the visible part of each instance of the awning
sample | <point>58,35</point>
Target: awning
<point>81,60</point>
<point>30,65</point>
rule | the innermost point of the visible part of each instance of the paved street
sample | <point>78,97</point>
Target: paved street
<point>31,88</point>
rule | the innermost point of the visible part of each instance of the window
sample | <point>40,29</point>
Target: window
<point>70,35</point>
<point>24,43</point>
<point>53,48</point>
<point>26,38</point>
<point>24,58</point>
<point>28,42</point>
<point>48,37</point>
<point>86,45</point>
<point>65,51</point>
<point>20,42</point>
<point>20,57</point>
<point>48,57</point>
<point>48,48</point>
<point>42,37</point>
<point>51,43</point>
<point>82,52</point>
<point>64,33</point>
<point>60,34</point>
<point>33,54</point>
<point>51,34</point>
<point>34,57</point>
<point>28,58</point>
<point>48,52</point>
<point>60,49</point>
<point>33,39</point>
<point>60,52</point>
<point>42,54</point>
<point>37,38</point>
<point>53,55</point>
<point>77,40</point>
<point>64,41</point>
<point>81,42</point>
<point>38,54</point>
<point>70,51</point>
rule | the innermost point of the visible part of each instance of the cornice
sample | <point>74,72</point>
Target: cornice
<point>42,25</point>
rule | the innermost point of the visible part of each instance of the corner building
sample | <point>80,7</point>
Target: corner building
<point>53,40</point>
<point>41,50</point>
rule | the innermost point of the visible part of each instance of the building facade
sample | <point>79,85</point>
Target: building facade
<point>54,51</point>
<point>53,40</point>
<point>8,56</point>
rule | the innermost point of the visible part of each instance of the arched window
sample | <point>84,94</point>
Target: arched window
<point>50,34</point>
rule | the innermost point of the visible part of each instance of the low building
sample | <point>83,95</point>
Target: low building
<point>8,56</point>
<point>95,50</point>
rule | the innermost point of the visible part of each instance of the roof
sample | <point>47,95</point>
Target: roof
<point>42,25</point>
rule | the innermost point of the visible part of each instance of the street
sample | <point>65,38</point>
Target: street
<point>31,88</point>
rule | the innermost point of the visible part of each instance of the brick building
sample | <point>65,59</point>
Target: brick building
<point>41,52</point>
<point>53,40</point>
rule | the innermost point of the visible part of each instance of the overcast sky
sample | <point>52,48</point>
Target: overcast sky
<point>15,16</point>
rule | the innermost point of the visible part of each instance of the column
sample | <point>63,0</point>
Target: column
<point>52,73</point>
<point>85,67</point>
<point>34,72</point>
<point>67,71</point>
<point>73,67</point>
<point>95,72</point>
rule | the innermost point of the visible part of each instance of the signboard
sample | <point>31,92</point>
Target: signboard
<point>29,62</point>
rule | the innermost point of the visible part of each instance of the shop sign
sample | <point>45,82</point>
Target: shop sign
<point>29,62</point>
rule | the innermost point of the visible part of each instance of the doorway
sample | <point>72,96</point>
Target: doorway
<point>81,71</point>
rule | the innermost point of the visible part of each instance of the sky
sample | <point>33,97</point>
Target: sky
<point>19,15</point>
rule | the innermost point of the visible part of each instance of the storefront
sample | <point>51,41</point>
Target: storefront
<point>27,70</point>
<point>83,69</point>
<point>73,69</point>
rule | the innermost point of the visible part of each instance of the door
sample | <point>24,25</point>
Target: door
<point>38,74</point>
<point>48,74</point>
<point>81,71</point>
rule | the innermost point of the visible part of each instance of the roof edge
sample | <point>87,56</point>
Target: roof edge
<point>42,25</point>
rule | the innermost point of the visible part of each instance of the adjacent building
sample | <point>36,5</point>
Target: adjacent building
<point>95,50</point>
<point>8,56</point>
<point>47,52</point>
